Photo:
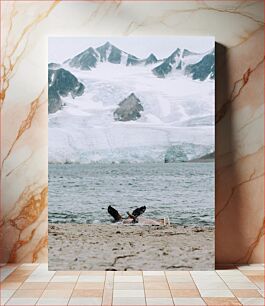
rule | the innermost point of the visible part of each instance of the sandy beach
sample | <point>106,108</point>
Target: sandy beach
<point>130,247</point>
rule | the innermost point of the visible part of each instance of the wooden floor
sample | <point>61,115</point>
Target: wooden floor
<point>33,284</point>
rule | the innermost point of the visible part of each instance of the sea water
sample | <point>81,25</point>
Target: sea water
<point>81,193</point>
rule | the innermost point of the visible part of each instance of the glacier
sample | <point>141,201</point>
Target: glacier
<point>178,111</point>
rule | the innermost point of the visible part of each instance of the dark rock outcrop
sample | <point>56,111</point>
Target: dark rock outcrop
<point>62,83</point>
<point>205,158</point>
<point>129,109</point>
<point>203,69</point>
<point>54,66</point>
<point>132,60</point>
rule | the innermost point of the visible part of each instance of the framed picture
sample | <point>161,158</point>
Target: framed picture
<point>131,153</point>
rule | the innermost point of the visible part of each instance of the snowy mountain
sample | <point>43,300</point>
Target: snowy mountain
<point>204,69</point>
<point>173,61</point>
<point>89,58</point>
<point>128,109</point>
<point>198,66</point>
<point>61,83</point>
<point>151,59</point>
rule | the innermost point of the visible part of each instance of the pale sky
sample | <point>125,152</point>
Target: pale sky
<point>62,48</point>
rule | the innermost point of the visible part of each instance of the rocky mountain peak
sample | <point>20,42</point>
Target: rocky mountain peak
<point>129,109</point>
<point>133,96</point>
<point>62,83</point>
<point>151,59</point>
<point>106,45</point>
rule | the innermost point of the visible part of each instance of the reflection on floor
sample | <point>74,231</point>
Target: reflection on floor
<point>33,284</point>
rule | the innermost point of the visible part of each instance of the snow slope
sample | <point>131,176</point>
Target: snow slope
<point>177,111</point>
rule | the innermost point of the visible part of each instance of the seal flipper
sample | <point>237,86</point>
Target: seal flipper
<point>114,213</point>
<point>139,211</point>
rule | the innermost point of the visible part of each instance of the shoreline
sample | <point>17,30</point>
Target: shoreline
<point>130,247</point>
<point>198,160</point>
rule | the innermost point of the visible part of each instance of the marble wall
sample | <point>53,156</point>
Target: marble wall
<point>238,27</point>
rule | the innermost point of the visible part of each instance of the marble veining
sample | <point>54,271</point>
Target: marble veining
<point>239,30</point>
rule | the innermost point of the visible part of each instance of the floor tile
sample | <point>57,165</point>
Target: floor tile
<point>108,285</point>
<point>85,301</point>
<point>178,273</point>
<point>107,297</point>
<point>128,279</point>
<point>123,301</point>
<point>211,285</point>
<point>154,278</point>
<point>31,293</point>
<point>251,267</point>
<point>253,272</point>
<point>61,286</point>
<point>260,285</point>
<point>159,301</point>
<point>64,278</point>
<point>229,272</point>
<point>22,301</point>
<point>53,301</point>
<point>28,266</point>
<point>128,286</point>
<point>261,292</point>
<point>245,285</point>
<point>67,273</point>
<point>156,286</point>
<point>21,272</point>
<point>235,278</point>
<point>256,278</point>
<point>31,284</point>
<point>56,294</point>
<point>6,293</point>
<point>128,293</point>
<point>157,293</point>
<point>16,278</point>
<point>89,285</point>
<point>40,278</point>
<point>216,293</point>
<point>188,301</point>
<point>128,273</point>
<point>251,301</point>
<point>44,266</point>
<point>225,266</point>
<point>34,286</point>
<point>87,293</point>
<point>109,274</point>
<point>151,273</point>
<point>5,271</point>
<point>91,278</point>
<point>246,293</point>
<point>203,273</point>
<point>174,286</point>
<point>218,301</point>
<point>3,300</point>
<point>9,285</point>
<point>179,279</point>
<point>183,293</point>
<point>97,273</point>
